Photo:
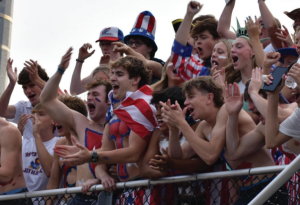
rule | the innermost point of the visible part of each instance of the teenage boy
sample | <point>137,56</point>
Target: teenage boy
<point>204,99</point>
<point>106,39</point>
<point>38,162</point>
<point>277,133</point>
<point>32,78</point>
<point>11,173</point>
<point>205,35</point>
<point>60,171</point>
<point>127,135</point>
<point>87,132</point>
<point>141,41</point>
<point>248,151</point>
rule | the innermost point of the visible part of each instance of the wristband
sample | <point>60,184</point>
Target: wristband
<point>80,61</point>
<point>61,71</point>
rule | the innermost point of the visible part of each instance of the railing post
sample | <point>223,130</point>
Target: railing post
<point>281,178</point>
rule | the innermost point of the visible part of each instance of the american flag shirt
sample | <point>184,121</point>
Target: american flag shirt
<point>185,65</point>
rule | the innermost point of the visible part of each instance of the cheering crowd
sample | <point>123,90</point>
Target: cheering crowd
<point>216,104</point>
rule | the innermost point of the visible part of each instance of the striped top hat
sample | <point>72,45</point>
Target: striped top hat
<point>111,34</point>
<point>145,25</point>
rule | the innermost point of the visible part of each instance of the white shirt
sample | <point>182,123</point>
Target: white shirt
<point>34,176</point>
<point>291,125</point>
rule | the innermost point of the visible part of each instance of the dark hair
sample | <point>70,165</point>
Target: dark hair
<point>146,41</point>
<point>97,82</point>
<point>74,103</point>
<point>205,84</point>
<point>262,92</point>
<point>135,67</point>
<point>173,93</point>
<point>24,79</point>
<point>209,24</point>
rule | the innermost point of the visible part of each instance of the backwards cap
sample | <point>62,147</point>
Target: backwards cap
<point>145,25</point>
<point>111,34</point>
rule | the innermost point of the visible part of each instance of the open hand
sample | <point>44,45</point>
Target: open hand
<point>31,67</point>
<point>233,100</point>
<point>81,157</point>
<point>256,81</point>
<point>253,28</point>
<point>65,60</point>
<point>12,75</point>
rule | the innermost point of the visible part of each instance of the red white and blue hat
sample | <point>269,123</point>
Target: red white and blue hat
<point>111,34</point>
<point>145,25</point>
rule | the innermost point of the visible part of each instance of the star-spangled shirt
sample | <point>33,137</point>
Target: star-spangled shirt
<point>185,65</point>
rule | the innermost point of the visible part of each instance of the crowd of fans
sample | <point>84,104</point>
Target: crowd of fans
<point>203,110</point>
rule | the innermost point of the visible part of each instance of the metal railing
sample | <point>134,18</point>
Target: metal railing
<point>177,181</point>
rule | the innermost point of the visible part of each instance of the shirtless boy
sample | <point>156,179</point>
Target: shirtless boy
<point>123,143</point>
<point>87,132</point>
<point>11,173</point>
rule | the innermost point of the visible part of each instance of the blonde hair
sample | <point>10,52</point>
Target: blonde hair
<point>104,68</point>
<point>163,83</point>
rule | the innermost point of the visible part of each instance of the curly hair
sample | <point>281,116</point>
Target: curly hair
<point>208,24</point>
<point>205,84</point>
<point>96,82</point>
<point>24,79</point>
<point>74,103</point>
<point>135,67</point>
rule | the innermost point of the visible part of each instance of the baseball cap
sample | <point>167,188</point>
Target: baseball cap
<point>111,34</point>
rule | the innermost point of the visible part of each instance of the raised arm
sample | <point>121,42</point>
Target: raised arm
<point>183,32</point>
<point>11,146</point>
<point>31,67</point>
<point>57,110</point>
<point>270,24</point>
<point>77,85</point>
<point>8,111</point>
<point>239,146</point>
<point>254,30</point>
<point>155,67</point>
<point>274,138</point>
<point>259,102</point>
<point>225,21</point>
